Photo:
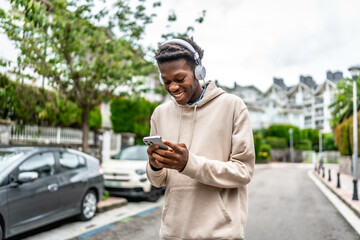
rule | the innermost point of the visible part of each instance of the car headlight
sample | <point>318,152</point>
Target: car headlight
<point>140,171</point>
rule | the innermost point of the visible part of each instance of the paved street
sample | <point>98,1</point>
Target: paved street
<point>145,227</point>
<point>284,204</point>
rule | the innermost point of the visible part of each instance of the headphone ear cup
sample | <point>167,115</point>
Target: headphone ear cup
<point>200,72</point>
<point>161,80</point>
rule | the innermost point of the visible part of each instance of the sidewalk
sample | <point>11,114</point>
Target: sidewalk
<point>110,203</point>
<point>345,192</point>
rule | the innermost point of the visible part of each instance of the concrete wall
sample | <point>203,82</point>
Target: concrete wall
<point>283,155</point>
<point>346,164</point>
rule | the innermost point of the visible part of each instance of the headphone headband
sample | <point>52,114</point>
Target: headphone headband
<point>187,45</point>
<point>199,71</point>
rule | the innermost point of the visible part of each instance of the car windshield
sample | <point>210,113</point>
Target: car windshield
<point>133,153</point>
<point>7,157</point>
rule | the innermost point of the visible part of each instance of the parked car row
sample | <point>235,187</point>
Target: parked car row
<point>41,185</point>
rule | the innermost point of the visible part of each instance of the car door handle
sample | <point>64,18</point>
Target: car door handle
<point>53,187</point>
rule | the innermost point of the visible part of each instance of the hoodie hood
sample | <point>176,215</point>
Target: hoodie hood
<point>212,91</point>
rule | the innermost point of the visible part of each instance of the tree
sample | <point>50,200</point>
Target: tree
<point>342,107</point>
<point>63,42</point>
<point>26,104</point>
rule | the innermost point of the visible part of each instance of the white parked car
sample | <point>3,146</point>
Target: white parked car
<point>125,174</point>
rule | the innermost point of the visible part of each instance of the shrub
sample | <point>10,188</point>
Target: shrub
<point>303,144</point>
<point>261,132</point>
<point>312,135</point>
<point>328,142</point>
<point>32,105</point>
<point>282,131</point>
<point>264,152</point>
<point>351,133</point>
<point>276,142</point>
<point>132,115</point>
<point>258,141</point>
<point>343,138</point>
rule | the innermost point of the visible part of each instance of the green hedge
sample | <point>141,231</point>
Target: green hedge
<point>282,131</point>
<point>25,104</point>
<point>342,135</point>
<point>303,144</point>
<point>328,142</point>
<point>132,115</point>
<point>312,135</point>
<point>258,141</point>
<point>276,142</point>
<point>299,135</point>
<point>264,152</point>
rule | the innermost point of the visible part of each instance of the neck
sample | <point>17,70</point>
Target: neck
<point>200,97</point>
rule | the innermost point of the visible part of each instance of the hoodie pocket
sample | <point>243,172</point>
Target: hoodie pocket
<point>195,212</point>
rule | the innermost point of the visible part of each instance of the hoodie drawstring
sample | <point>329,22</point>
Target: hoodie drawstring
<point>192,125</point>
<point>180,124</point>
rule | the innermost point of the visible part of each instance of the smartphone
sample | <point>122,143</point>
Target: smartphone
<point>151,140</point>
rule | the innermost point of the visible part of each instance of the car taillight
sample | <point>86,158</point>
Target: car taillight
<point>100,170</point>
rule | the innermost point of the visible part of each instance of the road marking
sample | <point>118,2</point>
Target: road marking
<point>344,210</point>
<point>95,231</point>
<point>76,229</point>
<point>125,219</point>
<point>146,212</point>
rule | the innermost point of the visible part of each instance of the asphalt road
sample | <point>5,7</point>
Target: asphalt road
<point>284,204</point>
<point>145,227</point>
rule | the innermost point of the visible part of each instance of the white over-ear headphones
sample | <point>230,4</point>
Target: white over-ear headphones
<point>200,71</point>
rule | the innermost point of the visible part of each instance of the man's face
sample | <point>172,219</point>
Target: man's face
<point>179,81</point>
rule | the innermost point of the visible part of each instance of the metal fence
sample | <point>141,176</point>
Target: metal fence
<point>48,135</point>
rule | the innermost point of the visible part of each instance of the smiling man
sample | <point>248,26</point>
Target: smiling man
<point>210,159</point>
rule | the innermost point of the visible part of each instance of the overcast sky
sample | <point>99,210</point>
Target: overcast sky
<point>252,41</point>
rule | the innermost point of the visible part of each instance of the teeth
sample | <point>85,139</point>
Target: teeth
<point>178,95</point>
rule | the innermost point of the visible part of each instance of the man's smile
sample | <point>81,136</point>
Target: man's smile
<point>178,95</point>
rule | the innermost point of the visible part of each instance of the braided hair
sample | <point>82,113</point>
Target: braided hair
<point>172,51</point>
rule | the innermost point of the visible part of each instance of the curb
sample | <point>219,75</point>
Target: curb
<point>341,197</point>
<point>110,203</point>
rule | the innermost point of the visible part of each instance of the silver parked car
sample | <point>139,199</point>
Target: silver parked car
<point>40,185</point>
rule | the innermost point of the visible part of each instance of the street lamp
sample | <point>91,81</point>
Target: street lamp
<point>321,160</point>
<point>291,145</point>
<point>355,72</point>
<point>320,143</point>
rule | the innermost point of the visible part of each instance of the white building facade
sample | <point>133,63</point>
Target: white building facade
<point>305,105</point>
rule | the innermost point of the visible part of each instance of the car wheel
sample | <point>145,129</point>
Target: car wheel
<point>88,206</point>
<point>154,194</point>
<point>1,233</point>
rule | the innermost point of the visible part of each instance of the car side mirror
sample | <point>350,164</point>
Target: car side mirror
<point>25,177</point>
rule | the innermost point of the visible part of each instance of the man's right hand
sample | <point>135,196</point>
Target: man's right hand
<point>151,149</point>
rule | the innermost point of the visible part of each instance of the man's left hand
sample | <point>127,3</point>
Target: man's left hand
<point>175,158</point>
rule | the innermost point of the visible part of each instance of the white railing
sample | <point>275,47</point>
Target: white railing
<point>48,135</point>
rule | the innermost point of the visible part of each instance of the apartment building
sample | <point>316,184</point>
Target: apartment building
<point>305,105</point>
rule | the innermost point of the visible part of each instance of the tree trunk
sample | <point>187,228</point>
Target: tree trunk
<point>85,130</point>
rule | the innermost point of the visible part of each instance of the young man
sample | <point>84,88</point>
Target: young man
<point>210,159</point>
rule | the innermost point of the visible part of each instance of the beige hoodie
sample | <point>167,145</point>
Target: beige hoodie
<point>208,199</point>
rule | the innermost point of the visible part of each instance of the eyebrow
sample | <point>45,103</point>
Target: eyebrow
<point>176,75</point>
